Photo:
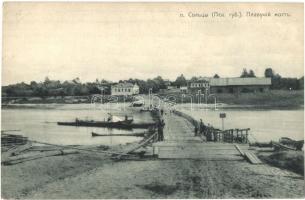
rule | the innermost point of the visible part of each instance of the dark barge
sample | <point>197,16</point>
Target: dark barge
<point>105,124</point>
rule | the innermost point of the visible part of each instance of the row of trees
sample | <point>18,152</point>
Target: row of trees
<point>278,82</point>
<point>52,88</point>
<point>76,88</point>
<point>246,74</point>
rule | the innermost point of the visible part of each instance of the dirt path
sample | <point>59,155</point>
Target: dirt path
<point>87,176</point>
<point>175,179</point>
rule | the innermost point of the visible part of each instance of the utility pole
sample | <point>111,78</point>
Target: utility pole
<point>102,88</point>
<point>207,88</point>
<point>199,95</point>
<point>149,96</point>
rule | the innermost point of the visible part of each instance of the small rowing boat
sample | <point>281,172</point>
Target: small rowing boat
<point>132,134</point>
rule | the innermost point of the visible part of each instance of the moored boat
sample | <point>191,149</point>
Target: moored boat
<point>120,124</point>
<point>131,134</point>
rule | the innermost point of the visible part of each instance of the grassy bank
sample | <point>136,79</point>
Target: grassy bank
<point>290,160</point>
<point>273,98</point>
<point>277,98</point>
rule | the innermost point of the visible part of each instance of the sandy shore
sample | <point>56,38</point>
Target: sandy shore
<point>88,176</point>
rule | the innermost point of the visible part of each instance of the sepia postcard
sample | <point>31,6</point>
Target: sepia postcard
<point>152,100</point>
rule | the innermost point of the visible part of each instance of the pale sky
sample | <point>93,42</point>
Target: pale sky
<point>132,40</point>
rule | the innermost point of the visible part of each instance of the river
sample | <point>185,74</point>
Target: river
<point>265,124</point>
<point>39,122</point>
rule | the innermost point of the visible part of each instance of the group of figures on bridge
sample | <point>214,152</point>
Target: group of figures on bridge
<point>210,133</point>
<point>159,125</point>
<point>206,132</point>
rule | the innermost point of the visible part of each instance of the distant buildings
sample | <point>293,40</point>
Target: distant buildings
<point>171,87</point>
<point>124,89</point>
<point>183,89</point>
<point>230,85</point>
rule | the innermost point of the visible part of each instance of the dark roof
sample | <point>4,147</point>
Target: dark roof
<point>237,81</point>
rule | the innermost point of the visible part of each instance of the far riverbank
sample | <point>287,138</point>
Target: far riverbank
<point>283,99</point>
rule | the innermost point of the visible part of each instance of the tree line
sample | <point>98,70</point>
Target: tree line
<point>76,88</point>
<point>278,82</point>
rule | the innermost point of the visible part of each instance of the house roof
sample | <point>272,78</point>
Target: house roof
<point>237,81</point>
<point>124,85</point>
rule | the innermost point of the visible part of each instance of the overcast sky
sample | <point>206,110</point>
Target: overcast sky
<point>119,41</point>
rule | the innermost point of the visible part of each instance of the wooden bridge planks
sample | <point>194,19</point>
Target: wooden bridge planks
<point>221,157</point>
<point>239,150</point>
<point>252,158</point>
<point>195,150</point>
<point>180,143</point>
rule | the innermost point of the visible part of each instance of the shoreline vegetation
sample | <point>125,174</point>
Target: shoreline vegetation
<point>273,99</point>
<point>284,91</point>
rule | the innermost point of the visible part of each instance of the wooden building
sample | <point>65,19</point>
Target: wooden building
<point>230,85</point>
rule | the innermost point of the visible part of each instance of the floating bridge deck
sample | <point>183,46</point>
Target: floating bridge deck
<point>180,143</point>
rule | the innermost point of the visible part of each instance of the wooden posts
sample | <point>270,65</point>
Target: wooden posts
<point>232,136</point>
<point>229,135</point>
<point>247,135</point>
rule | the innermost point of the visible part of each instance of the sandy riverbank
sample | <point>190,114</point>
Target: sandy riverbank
<point>88,176</point>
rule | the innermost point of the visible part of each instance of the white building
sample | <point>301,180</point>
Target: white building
<point>183,89</point>
<point>125,89</point>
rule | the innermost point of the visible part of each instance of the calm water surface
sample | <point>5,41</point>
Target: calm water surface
<point>38,122</point>
<point>265,125</point>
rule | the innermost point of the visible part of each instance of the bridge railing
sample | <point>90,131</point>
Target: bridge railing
<point>187,117</point>
<point>217,135</point>
<point>228,136</point>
